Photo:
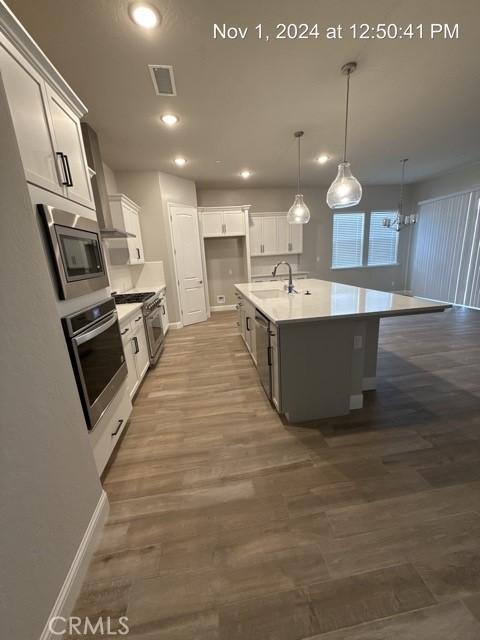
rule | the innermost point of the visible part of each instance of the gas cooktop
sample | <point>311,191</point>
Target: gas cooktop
<point>128,298</point>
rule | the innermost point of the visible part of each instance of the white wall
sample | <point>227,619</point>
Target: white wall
<point>152,191</point>
<point>317,237</point>
<point>49,485</point>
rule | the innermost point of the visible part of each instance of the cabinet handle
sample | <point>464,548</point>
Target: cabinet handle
<point>289,246</point>
<point>269,356</point>
<point>122,333</point>
<point>70,181</point>
<point>138,254</point>
<point>138,319</point>
<point>163,309</point>
<point>120,422</point>
<point>65,180</point>
<point>137,348</point>
<point>248,323</point>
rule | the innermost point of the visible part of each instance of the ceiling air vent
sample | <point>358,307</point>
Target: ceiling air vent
<point>163,80</point>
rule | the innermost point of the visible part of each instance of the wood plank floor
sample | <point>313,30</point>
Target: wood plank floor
<point>227,524</point>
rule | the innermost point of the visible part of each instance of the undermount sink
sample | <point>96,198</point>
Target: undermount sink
<point>270,293</point>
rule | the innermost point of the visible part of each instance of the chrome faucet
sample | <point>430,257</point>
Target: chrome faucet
<point>290,281</point>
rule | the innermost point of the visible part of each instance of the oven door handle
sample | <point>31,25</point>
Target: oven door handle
<point>85,337</point>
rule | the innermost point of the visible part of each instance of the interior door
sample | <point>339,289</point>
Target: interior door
<point>188,263</point>
<point>68,140</point>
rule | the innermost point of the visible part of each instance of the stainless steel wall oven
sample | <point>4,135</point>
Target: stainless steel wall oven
<point>98,360</point>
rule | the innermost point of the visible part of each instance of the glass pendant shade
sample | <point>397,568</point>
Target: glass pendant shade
<point>298,213</point>
<point>345,190</point>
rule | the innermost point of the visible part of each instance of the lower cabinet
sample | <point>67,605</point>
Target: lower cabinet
<point>274,366</point>
<point>136,351</point>
<point>108,430</point>
<point>246,323</point>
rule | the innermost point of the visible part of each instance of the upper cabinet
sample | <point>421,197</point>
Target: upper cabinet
<point>46,116</point>
<point>272,235</point>
<point>125,216</point>
<point>216,223</point>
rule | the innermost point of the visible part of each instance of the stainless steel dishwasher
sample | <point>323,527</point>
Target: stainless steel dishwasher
<point>262,327</point>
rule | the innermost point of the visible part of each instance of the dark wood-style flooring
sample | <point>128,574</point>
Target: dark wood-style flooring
<point>227,524</point>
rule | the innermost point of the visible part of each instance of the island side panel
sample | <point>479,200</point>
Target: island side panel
<point>371,354</point>
<point>316,360</point>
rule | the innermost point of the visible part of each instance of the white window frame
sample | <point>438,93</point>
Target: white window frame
<point>366,239</point>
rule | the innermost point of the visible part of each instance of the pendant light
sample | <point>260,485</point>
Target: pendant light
<point>345,190</point>
<point>298,213</point>
<point>401,220</point>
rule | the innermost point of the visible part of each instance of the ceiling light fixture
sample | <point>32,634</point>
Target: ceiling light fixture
<point>180,162</point>
<point>170,119</point>
<point>400,220</point>
<point>144,15</point>
<point>298,213</point>
<point>345,190</point>
<point>246,174</point>
<point>323,159</point>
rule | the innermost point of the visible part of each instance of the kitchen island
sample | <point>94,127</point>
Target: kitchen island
<point>316,349</point>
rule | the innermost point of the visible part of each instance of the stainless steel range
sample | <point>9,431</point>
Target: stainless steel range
<point>152,311</point>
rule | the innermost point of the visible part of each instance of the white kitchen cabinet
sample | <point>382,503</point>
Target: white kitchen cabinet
<point>47,129</point>
<point>128,348</point>
<point>142,359</point>
<point>70,151</point>
<point>126,216</point>
<point>27,99</point>
<point>164,310</point>
<point>250,338</point>
<point>272,235</point>
<point>222,223</point>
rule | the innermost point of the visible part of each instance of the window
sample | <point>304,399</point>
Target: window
<point>361,240</point>
<point>382,241</point>
<point>348,232</point>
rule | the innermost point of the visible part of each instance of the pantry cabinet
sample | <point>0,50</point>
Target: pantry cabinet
<point>47,129</point>
<point>272,235</point>
<point>216,224</point>
<point>126,216</point>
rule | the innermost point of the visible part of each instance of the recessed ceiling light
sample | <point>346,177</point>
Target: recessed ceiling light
<point>323,159</point>
<point>246,174</point>
<point>180,162</point>
<point>144,15</point>
<point>170,119</point>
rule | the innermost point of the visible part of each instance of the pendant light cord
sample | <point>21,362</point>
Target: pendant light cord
<point>298,175</point>
<point>346,118</point>
<point>404,162</point>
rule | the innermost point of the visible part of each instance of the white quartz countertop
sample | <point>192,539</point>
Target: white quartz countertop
<point>329,300</point>
<point>124,311</point>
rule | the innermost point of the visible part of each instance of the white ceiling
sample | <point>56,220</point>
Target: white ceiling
<point>240,101</point>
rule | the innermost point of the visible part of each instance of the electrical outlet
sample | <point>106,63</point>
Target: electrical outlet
<point>220,299</point>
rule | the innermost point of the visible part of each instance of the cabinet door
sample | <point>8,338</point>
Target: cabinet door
<point>212,224</point>
<point>234,224</point>
<point>269,235</point>
<point>250,328</point>
<point>132,378</point>
<point>31,118</point>
<point>296,238</point>
<point>165,321</point>
<point>255,230</point>
<point>283,235</point>
<point>68,140</point>
<point>142,359</point>
<point>130,221</point>
<point>137,242</point>
<point>275,369</point>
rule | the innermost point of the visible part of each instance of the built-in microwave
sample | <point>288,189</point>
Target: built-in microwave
<point>76,248</point>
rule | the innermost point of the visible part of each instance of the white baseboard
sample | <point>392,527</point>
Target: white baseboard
<point>356,401</point>
<point>224,307</point>
<point>369,384</point>
<point>175,325</point>
<point>73,582</point>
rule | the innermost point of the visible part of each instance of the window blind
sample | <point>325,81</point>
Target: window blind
<point>382,241</point>
<point>446,258</point>
<point>347,250</point>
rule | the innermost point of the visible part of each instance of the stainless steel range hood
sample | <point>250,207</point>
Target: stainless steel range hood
<point>102,205</point>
